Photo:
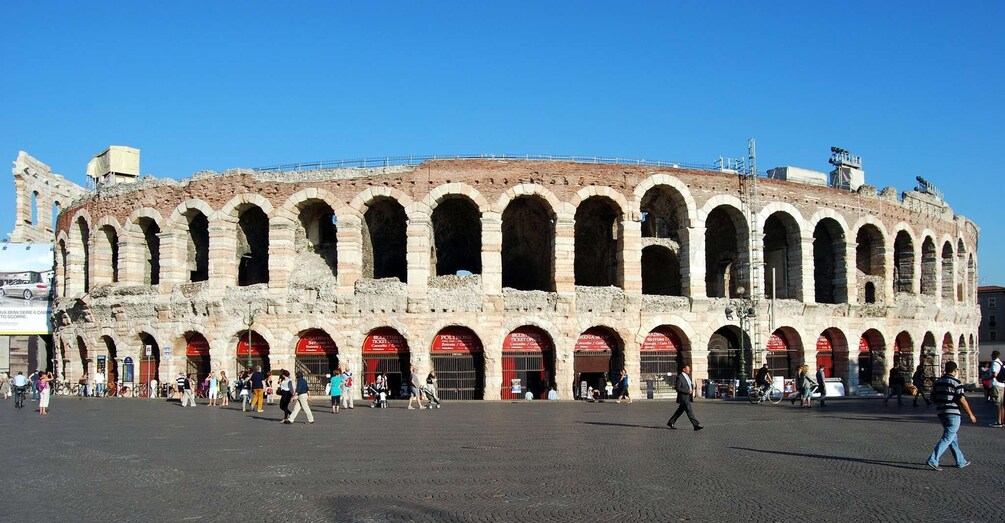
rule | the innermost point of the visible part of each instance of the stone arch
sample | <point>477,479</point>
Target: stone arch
<point>829,264</point>
<point>664,214</point>
<point>726,241</point>
<point>688,334</point>
<point>928,284</point>
<point>784,352</point>
<point>603,191</point>
<point>252,247</point>
<point>454,189</point>
<point>80,264</point>
<point>62,260</point>
<point>870,253</point>
<point>724,351</point>
<point>837,341</point>
<point>948,271</point>
<point>677,186</point>
<point>144,228</point>
<point>456,235</point>
<point>782,254</point>
<point>872,358</point>
<point>661,271</point>
<point>528,243</point>
<point>524,190</point>
<point>599,238</point>
<point>315,228</point>
<point>291,208</point>
<point>903,258</point>
<point>106,251</point>
<point>231,210</point>
<point>384,233</point>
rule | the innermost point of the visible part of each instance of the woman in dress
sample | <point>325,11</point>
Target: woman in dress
<point>5,385</point>
<point>44,391</point>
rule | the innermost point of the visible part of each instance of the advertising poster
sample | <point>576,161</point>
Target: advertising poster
<point>26,271</point>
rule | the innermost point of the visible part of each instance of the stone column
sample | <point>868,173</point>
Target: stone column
<point>349,235</point>
<point>282,253</point>
<point>565,253</point>
<point>174,257</point>
<point>699,361</point>
<point>222,253</point>
<point>491,253</point>
<point>630,254</point>
<point>565,367</point>
<point>418,245</point>
<point>807,269</point>
<point>851,272</point>
<point>695,287</point>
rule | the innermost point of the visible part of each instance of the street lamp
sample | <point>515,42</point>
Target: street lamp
<point>745,309</point>
<point>249,321</point>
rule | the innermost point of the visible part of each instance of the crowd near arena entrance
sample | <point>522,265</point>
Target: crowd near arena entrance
<point>528,356</point>
<point>386,351</point>
<point>197,363</point>
<point>597,359</point>
<point>662,358</point>
<point>458,358</point>
<point>317,358</point>
<point>254,354</point>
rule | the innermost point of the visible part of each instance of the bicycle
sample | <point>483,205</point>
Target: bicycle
<point>756,395</point>
<point>19,393</point>
<point>142,390</point>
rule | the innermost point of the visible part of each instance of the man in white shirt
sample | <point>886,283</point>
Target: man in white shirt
<point>998,388</point>
<point>99,383</point>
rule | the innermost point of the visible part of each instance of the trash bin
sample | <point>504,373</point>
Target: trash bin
<point>650,389</point>
<point>709,389</point>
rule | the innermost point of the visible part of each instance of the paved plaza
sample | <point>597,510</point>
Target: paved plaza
<point>151,460</point>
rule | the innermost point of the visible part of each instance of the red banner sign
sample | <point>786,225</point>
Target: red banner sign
<point>824,343</point>
<point>527,339</point>
<point>777,343</point>
<point>456,339</point>
<point>259,347</point>
<point>385,340</point>
<point>661,339</point>
<point>197,346</point>
<point>316,342</point>
<point>863,345</point>
<point>596,339</point>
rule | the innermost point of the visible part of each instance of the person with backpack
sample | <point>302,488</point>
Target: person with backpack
<point>949,400</point>
<point>301,399</point>
<point>997,372</point>
<point>347,385</point>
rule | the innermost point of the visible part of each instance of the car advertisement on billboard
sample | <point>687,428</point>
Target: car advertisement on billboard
<point>26,271</point>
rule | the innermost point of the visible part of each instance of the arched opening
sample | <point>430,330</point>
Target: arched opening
<point>317,234</point>
<point>33,217</point>
<point>151,251</point>
<point>458,357</point>
<point>832,354</point>
<point>317,359</point>
<point>903,352</point>
<point>725,252</point>
<point>85,359</point>
<point>385,240</point>
<point>197,253</point>
<point>829,262</point>
<point>457,237</point>
<point>55,214</point>
<point>598,236</point>
<point>782,257</point>
<point>253,354</point>
<point>963,360</point>
<point>197,361</point>
<point>660,272</point>
<point>84,232</point>
<point>662,357</point>
<point>929,266</point>
<point>871,359</point>
<point>252,246</point>
<point>528,247</point>
<point>663,212</point>
<point>869,256</point>
<point>63,259</point>
<point>597,358</point>
<point>723,355</point>
<point>971,280</point>
<point>784,353</point>
<point>948,272</point>
<point>903,263</point>
<point>107,268</point>
<point>528,362</point>
<point>385,351</point>
<point>930,357</point>
<point>150,359</point>
<point>948,353</point>
<point>108,362</point>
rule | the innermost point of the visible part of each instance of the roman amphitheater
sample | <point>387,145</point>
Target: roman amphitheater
<point>492,270</point>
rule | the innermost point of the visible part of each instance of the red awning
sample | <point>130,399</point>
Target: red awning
<point>259,347</point>
<point>661,339</point>
<point>777,343</point>
<point>527,339</point>
<point>385,340</point>
<point>197,346</point>
<point>596,339</point>
<point>456,340</point>
<point>316,342</point>
<point>824,343</point>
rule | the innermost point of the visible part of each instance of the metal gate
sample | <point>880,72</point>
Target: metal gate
<point>535,372</point>
<point>460,376</point>
<point>317,369</point>
<point>198,367</point>
<point>244,364</point>
<point>395,365</point>
<point>660,367</point>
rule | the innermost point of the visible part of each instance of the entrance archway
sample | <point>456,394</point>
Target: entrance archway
<point>317,358</point>
<point>723,354</point>
<point>457,356</point>
<point>197,362</point>
<point>871,359</point>
<point>149,364</point>
<point>528,355</point>
<point>254,354</point>
<point>385,350</point>
<point>597,359</point>
<point>782,357</point>
<point>662,356</point>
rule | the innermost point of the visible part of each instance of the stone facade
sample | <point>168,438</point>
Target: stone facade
<point>562,247</point>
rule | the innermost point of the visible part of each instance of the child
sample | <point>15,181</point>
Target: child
<point>382,400</point>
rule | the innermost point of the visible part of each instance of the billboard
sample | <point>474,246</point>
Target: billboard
<point>26,271</point>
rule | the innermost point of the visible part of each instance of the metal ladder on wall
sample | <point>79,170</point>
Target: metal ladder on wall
<point>749,196</point>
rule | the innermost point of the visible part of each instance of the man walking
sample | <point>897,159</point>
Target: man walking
<point>181,383</point>
<point>257,389</point>
<point>99,383</point>
<point>822,385</point>
<point>949,399</point>
<point>685,395</point>
<point>997,389</point>
<point>301,400</point>
<point>188,397</point>
<point>413,389</point>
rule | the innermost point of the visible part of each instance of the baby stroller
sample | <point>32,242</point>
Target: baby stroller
<point>372,391</point>
<point>431,399</point>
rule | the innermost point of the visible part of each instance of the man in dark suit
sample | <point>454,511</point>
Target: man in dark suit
<point>685,394</point>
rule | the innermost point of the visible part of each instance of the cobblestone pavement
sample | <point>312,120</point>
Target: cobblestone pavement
<point>151,460</point>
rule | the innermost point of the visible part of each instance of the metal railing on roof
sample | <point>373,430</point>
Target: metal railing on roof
<point>388,161</point>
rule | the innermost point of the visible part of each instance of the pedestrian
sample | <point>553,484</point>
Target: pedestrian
<point>224,389</point>
<point>99,383</point>
<point>257,380</point>
<point>244,386</point>
<point>949,399</point>
<point>895,386</point>
<point>301,399</point>
<point>335,390</point>
<point>34,385</point>
<point>986,382</point>
<point>431,393</point>
<point>285,394</point>
<point>623,387</point>
<point>82,385</point>
<point>180,383</point>
<point>44,391</point>
<point>808,384</point>
<point>918,380</point>
<point>188,397</point>
<point>413,389</point>
<point>5,386</point>
<point>685,396</point>
<point>553,394</point>
<point>997,374</point>
<point>213,390</point>
<point>822,385</point>
<point>270,390</point>
<point>347,385</point>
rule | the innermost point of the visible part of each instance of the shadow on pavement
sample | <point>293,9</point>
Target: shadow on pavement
<point>609,424</point>
<point>894,464</point>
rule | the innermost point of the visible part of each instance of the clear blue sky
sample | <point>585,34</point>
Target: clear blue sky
<point>915,88</point>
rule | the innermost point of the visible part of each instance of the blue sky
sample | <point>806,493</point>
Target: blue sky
<point>915,88</point>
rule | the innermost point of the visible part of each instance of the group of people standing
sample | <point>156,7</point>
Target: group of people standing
<point>38,384</point>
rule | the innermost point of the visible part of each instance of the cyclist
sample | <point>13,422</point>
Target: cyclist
<point>20,386</point>
<point>764,379</point>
